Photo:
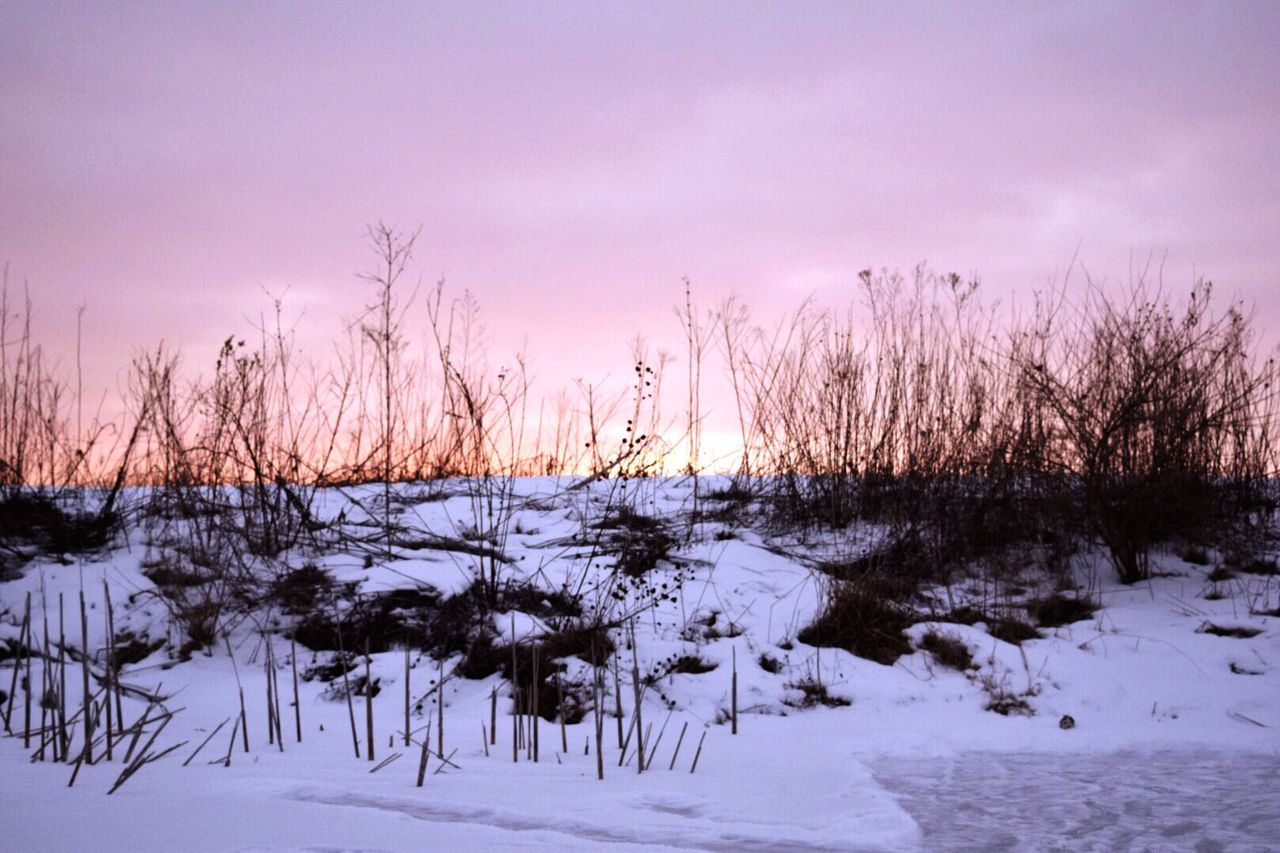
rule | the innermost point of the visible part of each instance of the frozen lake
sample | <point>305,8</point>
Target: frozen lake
<point>1157,801</point>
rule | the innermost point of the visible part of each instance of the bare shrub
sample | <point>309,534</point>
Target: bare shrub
<point>1157,418</point>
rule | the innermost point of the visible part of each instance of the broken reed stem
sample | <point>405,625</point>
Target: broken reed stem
<point>440,716</point>
<point>384,762</point>
<point>64,735</point>
<point>734,691</point>
<point>645,759</point>
<point>407,698</point>
<point>521,712</point>
<point>231,744</point>
<point>84,668</point>
<point>46,676</point>
<point>145,757</point>
<point>142,762</point>
<point>564,735</point>
<point>484,739</point>
<point>26,647</point>
<point>597,691</point>
<point>26,705</point>
<point>422,760</point>
<point>493,717</point>
<point>139,727</point>
<point>653,747</point>
<point>271,706</point>
<point>617,696</point>
<point>45,686</point>
<point>205,742</point>
<point>515,698</point>
<point>698,754</point>
<point>111,657</point>
<point>13,680</point>
<point>346,684</point>
<point>75,769</point>
<point>48,736</point>
<point>533,701</point>
<point>109,677</point>
<point>244,715</point>
<point>275,694</point>
<point>297,705</point>
<point>137,731</point>
<point>426,753</point>
<point>641,734</point>
<point>7,711</point>
<point>679,740</point>
<point>626,743</point>
<point>17,670</point>
<point>445,761</point>
<point>106,730</point>
<point>368,699</point>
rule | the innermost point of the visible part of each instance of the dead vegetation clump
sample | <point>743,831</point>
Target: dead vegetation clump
<point>713,626</point>
<point>770,664</point>
<point>639,543</point>
<point>1057,610</point>
<point>1243,632</point>
<point>861,619</point>
<point>813,694</point>
<point>300,591</point>
<point>677,664</point>
<point>1007,626</point>
<point>401,618</point>
<point>1251,565</point>
<point>475,545</point>
<point>1003,701</point>
<point>1196,555</point>
<point>948,650</point>
<point>1220,574</point>
<point>556,694</point>
<point>32,523</point>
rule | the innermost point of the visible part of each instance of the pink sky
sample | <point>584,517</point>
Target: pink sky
<point>570,162</point>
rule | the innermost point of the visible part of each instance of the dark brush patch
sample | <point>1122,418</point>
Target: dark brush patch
<point>863,621</point>
<point>948,650</point>
<point>1057,610</point>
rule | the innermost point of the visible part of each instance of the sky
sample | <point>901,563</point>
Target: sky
<point>169,166</point>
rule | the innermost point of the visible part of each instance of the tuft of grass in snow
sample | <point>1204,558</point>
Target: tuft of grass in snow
<point>860,619</point>
<point>948,650</point>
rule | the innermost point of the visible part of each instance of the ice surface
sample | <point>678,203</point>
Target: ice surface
<point>1194,800</point>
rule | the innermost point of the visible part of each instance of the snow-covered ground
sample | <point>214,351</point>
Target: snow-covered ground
<point>1176,742</point>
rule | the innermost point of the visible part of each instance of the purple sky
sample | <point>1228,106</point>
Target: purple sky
<point>164,163</point>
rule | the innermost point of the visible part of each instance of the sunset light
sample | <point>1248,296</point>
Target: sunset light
<point>658,425</point>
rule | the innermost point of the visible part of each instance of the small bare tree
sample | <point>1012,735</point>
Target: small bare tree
<point>382,324</point>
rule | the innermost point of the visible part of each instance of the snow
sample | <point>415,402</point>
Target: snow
<point>1176,743</point>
